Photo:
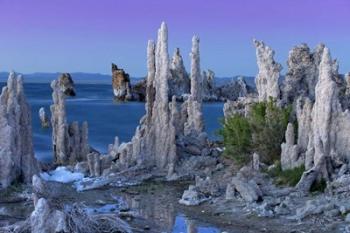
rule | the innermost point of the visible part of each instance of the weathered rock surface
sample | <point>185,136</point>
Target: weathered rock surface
<point>209,87</point>
<point>70,142</point>
<point>17,161</point>
<point>45,219</point>
<point>44,120</point>
<point>121,84</point>
<point>179,82</point>
<point>241,106</point>
<point>269,72</point>
<point>192,197</point>
<point>302,73</point>
<point>66,84</point>
<point>234,90</point>
<point>290,151</point>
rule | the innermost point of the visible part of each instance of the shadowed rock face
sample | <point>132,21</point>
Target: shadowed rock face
<point>66,84</point>
<point>179,82</point>
<point>302,73</point>
<point>121,84</point>
<point>17,162</point>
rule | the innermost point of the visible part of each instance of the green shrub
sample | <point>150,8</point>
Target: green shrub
<point>288,177</point>
<point>262,132</point>
<point>236,134</point>
<point>268,123</point>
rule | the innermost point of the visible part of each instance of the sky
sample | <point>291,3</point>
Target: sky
<point>87,35</point>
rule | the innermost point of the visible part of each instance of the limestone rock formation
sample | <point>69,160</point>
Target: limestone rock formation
<point>44,120</point>
<point>241,106</point>
<point>269,72</point>
<point>194,124</point>
<point>179,82</point>
<point>302,73</point>
<point>121,84</point>
<point>209,88</point>
<point>328,139</point>
<point>169,130</point>
<point>69,141</point>
<point>290,151</point>
<point>66,84</point>
<point>17,161</point>
<point>234,90</point>
<point>46,219</point>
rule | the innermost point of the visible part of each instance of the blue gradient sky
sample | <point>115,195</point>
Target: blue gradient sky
<point>87,35</point>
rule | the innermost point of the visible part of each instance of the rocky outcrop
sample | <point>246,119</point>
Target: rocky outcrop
<point>121,84</point>
<point>170,132</point>
<point>290,151</point>
<point>17,161</point>
<point>44,120</point>
<point>69,141</point>
<point>179,82</point>
<point>234,90</point>
<point>66,84</point>
<point>269,72</point>
<point>302,74</point>
<point>209,87</point>
<point>241,106</point>
<point>328,139</point>
<point>47,219</point>
<point>194,124</point>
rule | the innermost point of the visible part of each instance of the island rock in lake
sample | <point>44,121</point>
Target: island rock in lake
<point>17,161</point>
<point>121,84</point>
<point>66,84</point>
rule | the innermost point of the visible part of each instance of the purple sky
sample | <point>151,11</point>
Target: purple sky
<point>87,35</point>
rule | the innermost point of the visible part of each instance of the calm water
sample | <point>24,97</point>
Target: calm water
<point>106,118</point>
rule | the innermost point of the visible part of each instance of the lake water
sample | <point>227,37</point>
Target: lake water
<point>106,118</point>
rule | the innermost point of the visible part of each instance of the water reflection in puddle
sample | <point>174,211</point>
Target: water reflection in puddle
<point>184,225</point>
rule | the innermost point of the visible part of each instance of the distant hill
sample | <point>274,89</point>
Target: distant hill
<point>91,78</point>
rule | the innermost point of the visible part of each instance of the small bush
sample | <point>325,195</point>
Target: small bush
<point>262,132</point>
<point>237,137</point>
<point>268,123</point>
<point>288,177</point>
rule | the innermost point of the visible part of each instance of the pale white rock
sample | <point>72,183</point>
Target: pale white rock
<point>290,151</point>
<point>256,162</point>
<point>302,75</point>
<point>347,80</point>
<point>194,123</point>
<point>209,88</point>
<point>45,219</point>
<point>269,72</point>
<point>192,197</point>
<point>329,140</point>
<point>179,82</point>
<point>70,142</point>
<point>168,128</point>
<point>44,120</point>
<point>242,106</point>
<point>248,190</point>
<point>17,161</point>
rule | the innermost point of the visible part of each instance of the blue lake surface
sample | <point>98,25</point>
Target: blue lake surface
<point>106,118</point>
